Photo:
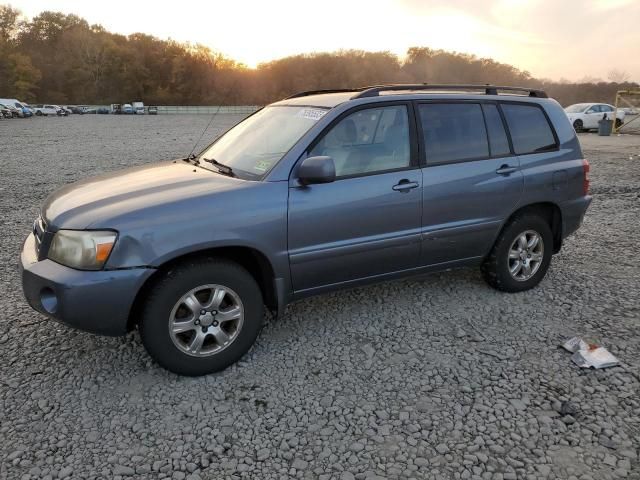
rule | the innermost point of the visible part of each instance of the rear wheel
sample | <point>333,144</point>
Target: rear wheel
<point>618,123</point>
<point>520,258</point>
<point>578,126</point>
<point>202,317</point>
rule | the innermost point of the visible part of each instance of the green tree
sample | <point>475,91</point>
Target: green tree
<point>23,77</point>
<point>60,58</point>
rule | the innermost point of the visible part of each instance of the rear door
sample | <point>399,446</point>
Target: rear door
<point>472,179</point>
<point>607,110</point>
<point>367,222</point>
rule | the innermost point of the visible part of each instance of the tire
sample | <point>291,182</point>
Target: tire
<point>496,267</point>
<point>38,113</point>
<point>578,126</point>
<point>618,123</point>
<point>164,308</point>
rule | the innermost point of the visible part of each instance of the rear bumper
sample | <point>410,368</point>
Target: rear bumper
<point>573,214</point>
<point>97,302</point>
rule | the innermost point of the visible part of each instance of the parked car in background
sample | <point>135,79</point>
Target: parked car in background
<point>585,116</point>
<point>103,110</point>
<point>127,109</point>
<point>88,110</point>
<point>67,110</point>
<point>76,109</point>
<point>152,110</point>
<point>5,111</point>
<point>46,110</point>
<point>27,110</point>
<point>315,193</point>
<point>630,110</point>
<point>15,112</point>
<point>138,108</point>
<point>22,108</point>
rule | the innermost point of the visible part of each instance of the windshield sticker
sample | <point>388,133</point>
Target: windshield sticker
<point>314,114</point>
<point>262,165</point>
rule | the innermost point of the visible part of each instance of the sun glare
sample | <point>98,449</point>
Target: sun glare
<point>253,32</point>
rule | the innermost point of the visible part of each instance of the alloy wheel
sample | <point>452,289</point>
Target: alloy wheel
<point>526,255</point>
<point>206,320</point>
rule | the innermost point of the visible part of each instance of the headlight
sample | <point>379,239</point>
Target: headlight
<point>85,250</point>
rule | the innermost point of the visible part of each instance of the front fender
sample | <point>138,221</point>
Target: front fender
<point>251,218</point>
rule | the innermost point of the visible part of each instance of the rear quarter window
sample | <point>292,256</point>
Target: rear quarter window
<point>529,128</point>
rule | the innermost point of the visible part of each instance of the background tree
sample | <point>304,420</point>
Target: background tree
<point>60,58</point>
<point>618,76</point>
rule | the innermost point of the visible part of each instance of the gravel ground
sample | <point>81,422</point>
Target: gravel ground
<point>440,377</point>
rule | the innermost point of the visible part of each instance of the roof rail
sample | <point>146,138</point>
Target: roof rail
<point>375,90</point>
<point>317,92</point>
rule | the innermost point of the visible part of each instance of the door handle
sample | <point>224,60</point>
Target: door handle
<point>405,185</point>
<point>506,170</point>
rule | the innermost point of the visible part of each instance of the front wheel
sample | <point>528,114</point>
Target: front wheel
<point>201,317</point>
<point>520,258</point>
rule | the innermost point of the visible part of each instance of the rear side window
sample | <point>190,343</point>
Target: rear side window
<point>498,141</point>
<point>530,130</point>
<point>453,132</point>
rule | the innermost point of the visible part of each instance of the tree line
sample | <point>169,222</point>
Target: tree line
<point>61,59</point>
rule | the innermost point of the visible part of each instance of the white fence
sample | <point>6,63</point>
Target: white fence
<point>195,109</point>
<point>236,109</point>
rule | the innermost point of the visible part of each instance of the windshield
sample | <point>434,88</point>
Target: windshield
<point>256,144</point>
<point>577,108</point>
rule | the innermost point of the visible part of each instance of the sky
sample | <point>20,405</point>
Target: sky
<point>555,39</point>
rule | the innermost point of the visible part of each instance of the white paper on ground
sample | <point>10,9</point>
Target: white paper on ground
<point>574,344</point>
<point>597,358</point>
<point>586,356</point>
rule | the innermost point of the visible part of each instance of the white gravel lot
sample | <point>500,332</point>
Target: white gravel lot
<point>440,377</point>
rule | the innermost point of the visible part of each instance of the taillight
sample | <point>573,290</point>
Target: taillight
<point>585,176</point>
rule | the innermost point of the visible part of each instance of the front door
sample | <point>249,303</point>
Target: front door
<point>592,116</point>
<point>367,222</point>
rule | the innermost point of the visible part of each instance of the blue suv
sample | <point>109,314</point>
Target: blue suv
<point>321,191</point>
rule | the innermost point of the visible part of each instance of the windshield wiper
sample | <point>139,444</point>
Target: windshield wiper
<point>222,168</point>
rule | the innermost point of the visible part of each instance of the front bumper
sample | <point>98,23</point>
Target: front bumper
<point>95,301</point>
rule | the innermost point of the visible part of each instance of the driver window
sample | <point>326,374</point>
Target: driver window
<point>367,141</point>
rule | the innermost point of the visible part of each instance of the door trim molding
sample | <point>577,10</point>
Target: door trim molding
<point>339,249</point>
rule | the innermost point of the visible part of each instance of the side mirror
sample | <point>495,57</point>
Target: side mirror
<point>317,170</point>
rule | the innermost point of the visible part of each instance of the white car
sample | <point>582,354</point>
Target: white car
<point>585,116</point>
<point>45,110</point>
<point>138,108</point>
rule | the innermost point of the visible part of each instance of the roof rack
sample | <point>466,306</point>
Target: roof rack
<point>375,90</point>
<point>317,92</point>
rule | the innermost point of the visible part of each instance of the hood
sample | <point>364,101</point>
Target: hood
<point>96,201</point>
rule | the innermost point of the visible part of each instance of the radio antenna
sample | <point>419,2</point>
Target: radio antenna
<point>204,131</point>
